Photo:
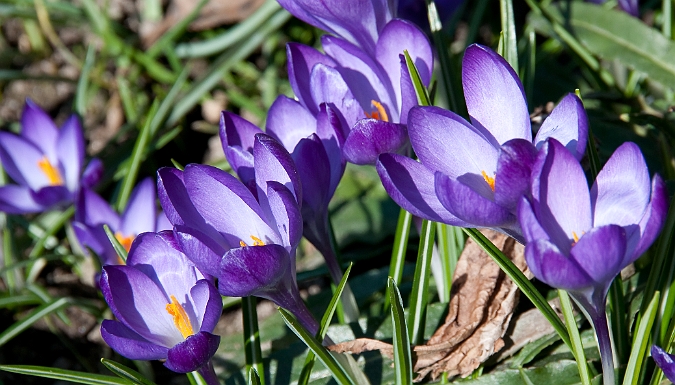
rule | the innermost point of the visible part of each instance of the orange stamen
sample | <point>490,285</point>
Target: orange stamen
<point>51,172</point>
<point>490,180</point>
<point>380,113</point>
<point>256,242</point>
<point>180,317</point>
<point>124,240</point>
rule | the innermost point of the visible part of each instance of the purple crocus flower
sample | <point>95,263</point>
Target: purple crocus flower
<point>45,162</point>
<point>140,216</point>
<point>245,239</point>
<point>578,239</point>
<point>165,309</point>
<point>664,361</point>
<point>314,144</point>
<point>371,89</point>
<point>473,174</point>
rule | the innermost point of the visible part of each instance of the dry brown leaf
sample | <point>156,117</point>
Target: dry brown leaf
<point>214,13</point>
<point>480,309</point>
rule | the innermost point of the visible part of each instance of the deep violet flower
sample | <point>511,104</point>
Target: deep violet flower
<point>315,145</point>
<point>246,240</point>
<point>140,216</point>
<point>45,162</point>
<point>664,361</point>
<point>164,307</point>
<point>473,174</point>
<point>578,239</point>
<point>371,89</point>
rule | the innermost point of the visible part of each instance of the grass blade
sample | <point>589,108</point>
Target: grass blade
<point>417,311</point>
<point>573,330</point>
<point>420,90</point>
<point>35,315</point>
<point>119,249</point>
<point>402,354</point>
<point>509,31</point>
<point>253,378</point>
<point>83,82</point>
<point>399,250</point>
<point>641,342</point>
<point>254,359</point>
<point>126,372</point>
<point>65,375</point>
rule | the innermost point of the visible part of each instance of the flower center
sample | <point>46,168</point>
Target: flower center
<point>256,242</point>
<point>125,242</point>
<point>180,317</point>
<point>51,172</point>
<point>380,113</point>
<point>490,180</point>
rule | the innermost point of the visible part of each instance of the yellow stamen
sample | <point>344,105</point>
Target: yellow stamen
<point>124,240</point>
<point>51,172</point>
<point>490,180</point>
<point>380,114</point>
<point>256,242</point>
<point>180,317</point>
<point>575,236</point>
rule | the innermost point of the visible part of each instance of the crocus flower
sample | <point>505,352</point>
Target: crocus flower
<point>371,89</point>
<point>247,240</point>
<point>578,239</point>
<point>164,307</point>
<point>140,216</point>
<point>664,361</point>
<point>45,162</point>
<point>473,174</point>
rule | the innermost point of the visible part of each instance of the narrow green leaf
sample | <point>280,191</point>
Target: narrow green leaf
<point>196,379</point>
<point>34,315</point>
<point>319,350</point>
<point>55,226</point>
<point>402,354</point>
<point>420,89</point>
<point>509,31</point>
<point>174,32</point>
<point>445,248</point>
<point>323,328</point>
<point>417,310</point>
<point>83,82</point>
<point>65,375</point>
<point>524,376</point>
<point>522,282</point>
<point>253,378</point>
<point>253,352</point>
<point>399,250</point>
<point>641,342</point>
<point>573,330</point>
<point>126,372</point>
<point>119,249</point>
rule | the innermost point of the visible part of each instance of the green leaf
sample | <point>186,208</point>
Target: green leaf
<point>119,249</point>
<point>509,30</point>
<point>65,375</point>
<point>252,349</point>
<point>83,82</point>
<point>253,378</point>
<point>402,355</point>
<point>399,249</point>
<point>641,342</point>
<point>577,346</point>
<point>126,372</point>
<point>417,309</point>
<point>35,315</point>
<point>420,90</point>
<point>319,350</point>
<point>559,372</point>
<point>522,282</point>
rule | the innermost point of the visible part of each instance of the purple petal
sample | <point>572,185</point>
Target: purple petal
<point>470,205</point>
<point>631,7</point>
<point>494,95</point>
<point>237,131</point>
<point>651,223</point>
<point>193,353</point>
<point>286,213</point>
<point>445,142</point>
<point>664,361</point>
<point>411,185</point>
<point>550,266</point>
<point>371,137</point>
<point>600,253</point>
<point>52,195</point>
<point>274,163</point>
<point>253,270</point>
<point>621,191</point>
<point>93,173</point>
<point>560,191</point>
<point>301,61</point>
<point>141,212</point>
<point>91,238</point>
<point>20,158</point>
<point>288,122</point>
<point>397,36</point>
<point>314,171</point>
<point>205,252</point>
<point>18,200</point>
<point>514,168</point>
<point>328,129</point>
<point>70,152</point>
<point>408,93</point>
<point>39,128</point>
<point>93,210</point>
<point>531,228</point>
<point>329,87</point>
<point>129,344</point>
<point>208,303</point>
<point>568,124</point>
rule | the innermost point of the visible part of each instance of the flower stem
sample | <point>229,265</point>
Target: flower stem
<point>595,311</point>
<point>209,374</point>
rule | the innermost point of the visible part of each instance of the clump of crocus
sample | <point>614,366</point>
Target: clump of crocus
<point>45,162</point>
<point>473,174</point>
<point>164,307</point>
<point>245,239</point>
<point>139,216</point>
<point>664,361</point>
<point>578,239</point>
